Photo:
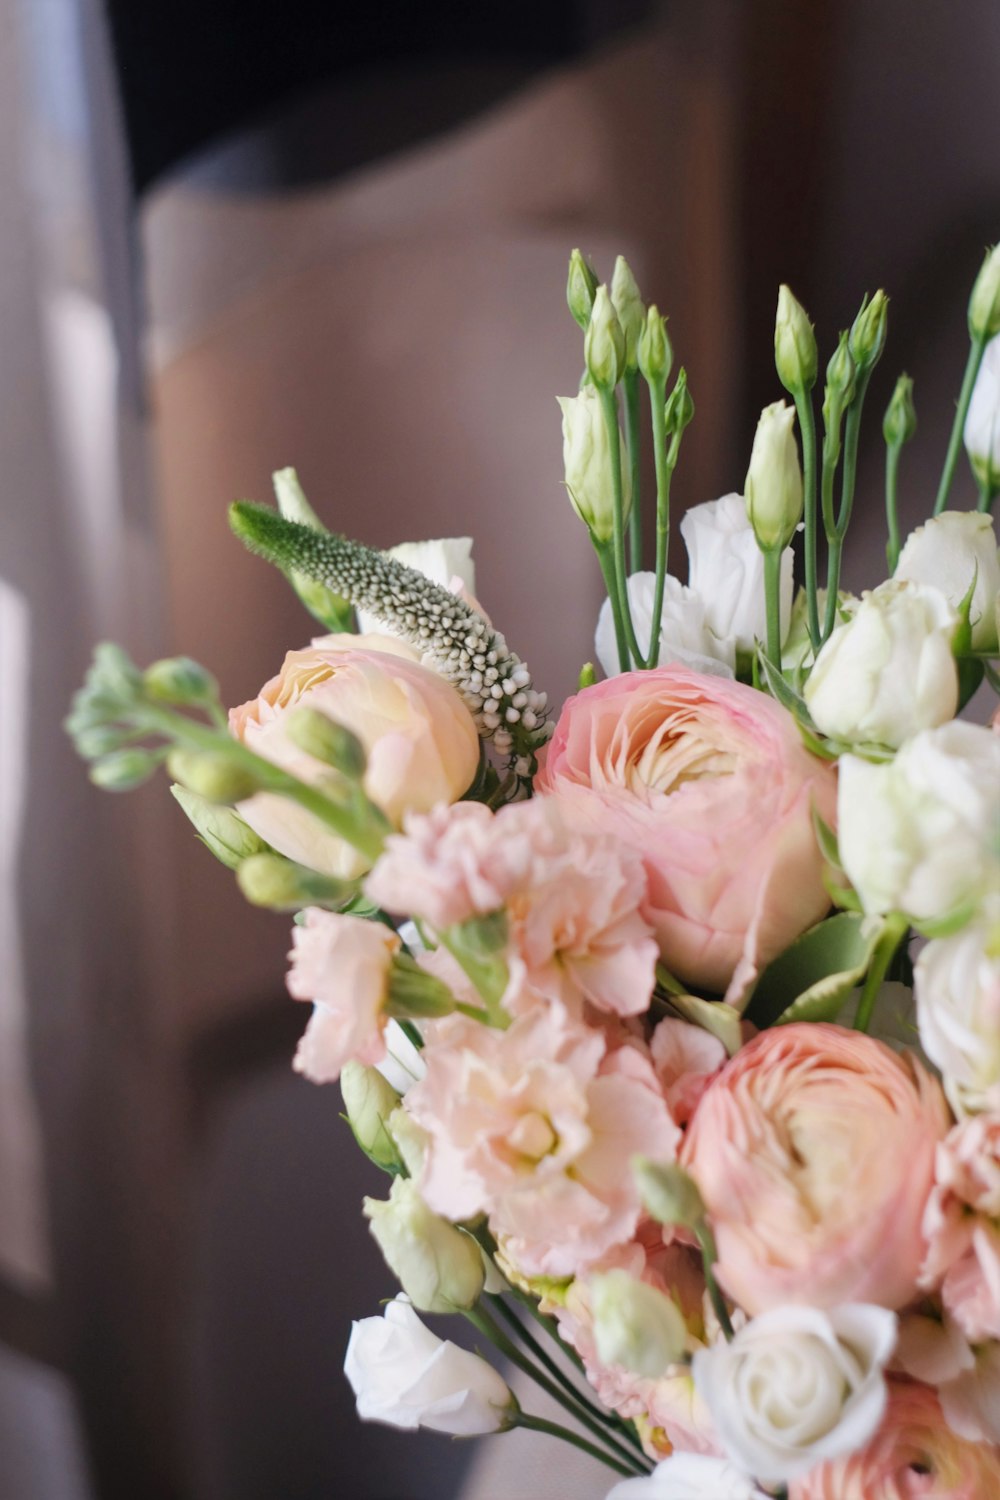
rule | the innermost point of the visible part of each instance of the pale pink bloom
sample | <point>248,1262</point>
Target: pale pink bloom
<point>421,741</point>
<point>536,1127</point>
<point>962,1227</point>
<point>709,782</point>
<point>342,965</point>
<point>914,1455</point>
<point>441,868</point>
<point>967,1379</point>
<point>799,1147</point>
<point>686,1059</point>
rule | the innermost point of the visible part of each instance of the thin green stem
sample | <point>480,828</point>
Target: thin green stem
<point>709,1255</point>
<point>989,489</point>
<point>852,432</point>
<point>606,560</point>
<point>832,586</point>
<point>664,473</point>
<point>885,949</point>
<point>772,600</point>
<point>630,386</point>
<point>610,408</point>
<point>893,453</point>
<point>977,349</point>
<point>552,1429</point>
<point>807,427</point>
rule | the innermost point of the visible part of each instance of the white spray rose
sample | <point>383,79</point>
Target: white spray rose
<point>957,986</point>
<point>919,834</point>
<point>797,1386</point>
<point>947,552</point>
<point>439,1267</point>
<point>445,560</point>
<point>684,636</point>
<point>635,1325</point>
<point>403,1374</point>
<point>690,1476</point>
<point>888,671</point>
<point>726,572</point>
<point>587,463</point>
<point>982,424</point>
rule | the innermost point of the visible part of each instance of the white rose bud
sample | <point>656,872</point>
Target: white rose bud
<point>587,463</point>
<point>690,1476</point>
<point>635,1325</point>
<point>982,422</point>
<point>948,552</point>
<point>774,479</point>
<point>957,987</point>
<point>684,636</point>
<point>726,572</point>
<point>918,834</point>
<point>797,1386</point>
<point>403,1374</point>
<point>888,671</point>
<point>439,1267</point>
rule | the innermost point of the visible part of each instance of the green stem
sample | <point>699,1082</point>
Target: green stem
<point>709,1255</point>
<point>610,408</point>
<point>852,432</point>
<point>552,1429</point>
<point>604,557</point>
<point>989,489</point>
<point>892,935</point>
<point>976,351</point>
<point>772,599</point>
<point>832,586</point>
<point>630,386</point>
<point>807,427</point>
<point>893,454</point>
<point>664,473</point>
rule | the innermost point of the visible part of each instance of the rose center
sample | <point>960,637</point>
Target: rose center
<point>674,754</point>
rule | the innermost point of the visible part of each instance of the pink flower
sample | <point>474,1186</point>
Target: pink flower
<point>962,1227</point>
<point>686,1059</point>
<point>913,1456</point>
<point>814,1152</point>
<point>536,1126</point>
<point>709,782</point>
<point>342,965</point>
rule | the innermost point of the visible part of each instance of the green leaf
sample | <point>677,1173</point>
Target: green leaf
<point>713,1016</point>
<point>811,980</point>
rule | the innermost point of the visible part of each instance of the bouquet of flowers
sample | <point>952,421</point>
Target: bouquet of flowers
<point>675,1023</point>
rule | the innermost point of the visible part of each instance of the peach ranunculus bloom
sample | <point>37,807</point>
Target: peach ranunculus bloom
<point>536,1126</point>
<point>421,740</point>
<point>962,1227</point>
<point>914,1455</point>
<point>709,781</point>
<point>342,965</point>
<point>814,1151</point>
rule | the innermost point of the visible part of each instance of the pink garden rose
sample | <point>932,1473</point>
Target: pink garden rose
<point>962,1227</point>
<point>914,1455</point>
<point>814,1151</point>
<point>709,782</point>
<point>342,965</point>
<point>421,740</point>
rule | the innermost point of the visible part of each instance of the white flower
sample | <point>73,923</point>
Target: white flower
<point>445,560</point>
<point>982,424</point>
<point>919,834</point>
<point>797,1386</point>
<point>957,985</point>
<point>587,463</point>
<point>888,671</point>
<point>774,480</point>
<point>684,636</point>
<point>403,1374</point>
<point>948,551</point>
<point>690,1476</point>
<point>439,1267</point>
<point>635,1325</point>
<point>726,571</point>
<point>403,1064</point>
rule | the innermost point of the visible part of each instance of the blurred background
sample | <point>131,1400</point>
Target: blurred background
<point>240,234</point>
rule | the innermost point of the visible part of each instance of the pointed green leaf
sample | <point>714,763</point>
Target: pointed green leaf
<point>813,977</point>
<point>714,1016</point>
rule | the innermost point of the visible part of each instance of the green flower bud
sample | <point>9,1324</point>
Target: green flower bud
<point>273,881</point>
<point>370,1102</point>
<point>178,679</point>
<point>668,1192</point>
<point>581,284</point>
<point>411,1141</point>
<point>627,302</point>
<point>219,828</point>
<point>654,352</point>
<point>439,1267</point>
<point>774,479</point>
<point>679,409</point>
<point>93,740</point>
<point>212,774</point>
<point>123,769</point>
<point>839,392</point>
<point>319,735</point>
<point>113,674</point>
<point>900,420</point>
<point>604,343</point>
<point>795,352</point>
<point>587,676</point>
<point>416,993</point>
<point>984,303</point>
<point>868,331</point>
<point>635,1325</point>
<point>587,463</point>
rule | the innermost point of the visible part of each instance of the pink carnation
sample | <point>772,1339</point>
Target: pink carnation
<point>962,1227</point>
<point>342,965</point>
<point>686,1059</point>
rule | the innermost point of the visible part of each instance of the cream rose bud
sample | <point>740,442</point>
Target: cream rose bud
<point>982,423</point>
<point>439,1267</point>
<point>420,740</point>
<point>797,1386</point>
<point>587,463</point>
<point>726,572</point>
<point>957,987</point>
<point>690,1476</point>
<point>951,550</point>
<point>918,834</point>
<point>635,1325</point>
<point>684,635</point>
<point>888,671</point>
<point>403,1374</point>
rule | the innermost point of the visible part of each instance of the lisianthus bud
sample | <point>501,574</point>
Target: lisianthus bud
<point>669,1193</point>
<point>900,421</point>
<point>370,1102</point>
<point>654,352</point>
<point>984,303</point>
<point>221,830</point>
<point>320,736</point>
<point>123,769</point>
<point>628,304</point>
<point>411,1141</point>
<point>679,409</point>
<point>581,284</point>
<point>212,774</point>
<point>178,679</point>
<point>604,344</point>
<point>635,1325</point>
<point>439,1267</point>
<point>982,423</point>
<point>948,552</point>
<point>838,394</point>
<point>773,486</point>
<point>868,331</point>
<point>587,463</point>
<point>273,881</point>
<point>795,353</point>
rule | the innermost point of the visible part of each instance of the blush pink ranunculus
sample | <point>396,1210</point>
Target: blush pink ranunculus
<point>962,1227</point>
<point>342,965</point>
<point>814,1151</point>
<point>914,1455</point>
<point>709,781</point>
<point>421,741</point>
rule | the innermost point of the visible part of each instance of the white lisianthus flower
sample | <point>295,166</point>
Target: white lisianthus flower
<point>690,1476</point>
<point>957,987</point>
<point>726,572</point>
<point>587,463</point>
<point>439,1267</point>
<point>888,671</point>
<point>919,833</point>
<point>444,560</point>
<point>403,1374</point>
<point>948,551</point>
<point>403,1064</point>
<point>635,1325</point>
<point>684,635</point>
<point>982,423</point>
<point>797,1386</point>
